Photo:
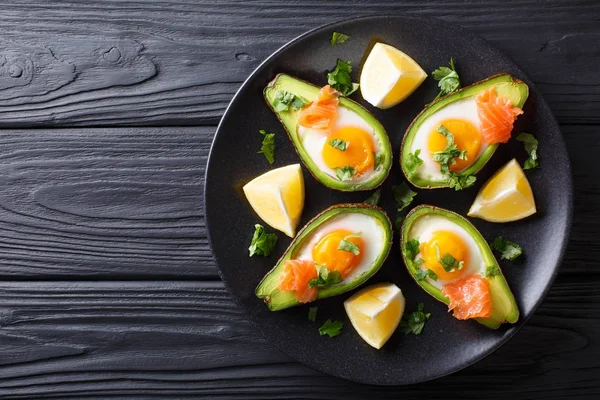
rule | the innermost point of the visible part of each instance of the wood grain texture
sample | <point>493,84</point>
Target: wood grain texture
<point>79,63</point>
<point>103,203</point>
<point>188,340</point>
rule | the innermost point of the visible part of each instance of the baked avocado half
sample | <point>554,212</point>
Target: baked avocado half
<point>429,225</point>
<point>460,109</point>
<point>309,143</point>
<point>369,222</point>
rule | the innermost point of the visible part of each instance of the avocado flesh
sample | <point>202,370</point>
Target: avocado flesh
<point>289,120</point>
<point>506,86</point>
<point>504,306</point>
<point>276,299</point>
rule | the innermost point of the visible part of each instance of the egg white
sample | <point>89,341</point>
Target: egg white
<point>372,234</point>
<point>425,226</point>
<point>463,109</point>
<point>313,141</point>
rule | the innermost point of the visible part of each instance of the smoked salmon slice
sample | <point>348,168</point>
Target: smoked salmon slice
<point>322,111</point>
<point>295,277</point>
<point>469,297</point>
<point>497,115</point>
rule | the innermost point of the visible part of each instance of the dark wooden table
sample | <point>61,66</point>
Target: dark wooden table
<point>107,112</point>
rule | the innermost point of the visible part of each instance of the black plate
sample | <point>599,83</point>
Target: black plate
<point>446,344</point>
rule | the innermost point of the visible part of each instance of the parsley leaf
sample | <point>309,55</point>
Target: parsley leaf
<point>378,160</point>
<point>284,99</point>
<point>411,249</point>
<point>492,270</point>
<point>312,313</point>
<point>345,173</point>
<point>508,250</point>
<point>268,146</point>
<point>531,147</point>
<point>449,262</point>
<point>460,182</point>
<point>339,144</point>
<point>412,163</point>
<point>262,243</point>
<point>348,246</point>
<point>374,198</point>
<point>340,79</point>
<point>338,38</point>
<point>424,273</point>
<point>447,157</point>
<point>448,79</point>
<point>403,195</point>
<point>331,329</point>
<point>325,277</point>
<point>415,321</point>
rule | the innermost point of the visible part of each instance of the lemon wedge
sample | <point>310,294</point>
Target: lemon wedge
<point>389,76</point>
<point>277,197</point>
<point>505,197</point>
<point>375,312</point>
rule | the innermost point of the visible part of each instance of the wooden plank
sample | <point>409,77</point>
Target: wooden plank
<point>189,340</point>
<point>107,203</point>
<point>180,62</point>
<point>101,203</point>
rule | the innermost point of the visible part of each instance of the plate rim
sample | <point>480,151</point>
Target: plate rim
<point>540,100</point>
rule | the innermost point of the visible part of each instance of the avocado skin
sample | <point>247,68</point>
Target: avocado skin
<point>277,300</point>
<point>504,306</point>
<point>289,121</point>
<point>506,84</point>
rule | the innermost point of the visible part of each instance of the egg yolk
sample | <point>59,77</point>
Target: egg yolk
<point>325,252</point>
<point>359,153</point>
<point>466,137</point>
<point>446,242</point>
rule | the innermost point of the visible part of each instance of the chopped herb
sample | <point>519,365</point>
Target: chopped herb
<point>447,157</point>
<point>415,321</point>
<point>531,147</point>
<point>403,195</point>
<point>399,221</point>
<point>338,38</point>
<point>340,79</point>
<point>460,182</point>
<point>508,250</point>
<point>262,243</point>
<point>448,79</point>
<point>348,246</point>
<point>284,99</point>
<point>411,249</point>
<point>339,144</point>
<point>450,263</point>
<point>312,313</point>
<point>432,274</point>
<point>268,146</point>
<point>424,273</point>
<point>374,198</point>
<point>331,329</point>
<point>492,270</point>
<point>418,262</point>
<point>378,160</point>
<point>325,277</point>
<point>421,274</point>
<point>413,161</point>
<point>345,174</point>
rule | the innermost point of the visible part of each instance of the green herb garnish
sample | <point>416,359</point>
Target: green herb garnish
<point>460,182</point>
<point>338,38</point>
<point>447,157</point>
<point>411,249</point>
<point>508,250</point>
<point>424,273</point>
<point>374,198</point>
<point>284,99</point>
<point>346,245</point>
<point>531,147</point>
<point>492,270</point>
<point>339,144</point>
<point>268,146</point>
<point>312,313</point>
<point>413,161</point>
<point>448,79</point>
<point>378,160</point>
<point>331,329</point>
<point>262,243</point>
<point>432,274</point>
<point>340,79</point>
<point>450,263</point>
<point>415,321</point>
<point>403,195</point>
<point>325,277</point>
<point>345,174</point>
